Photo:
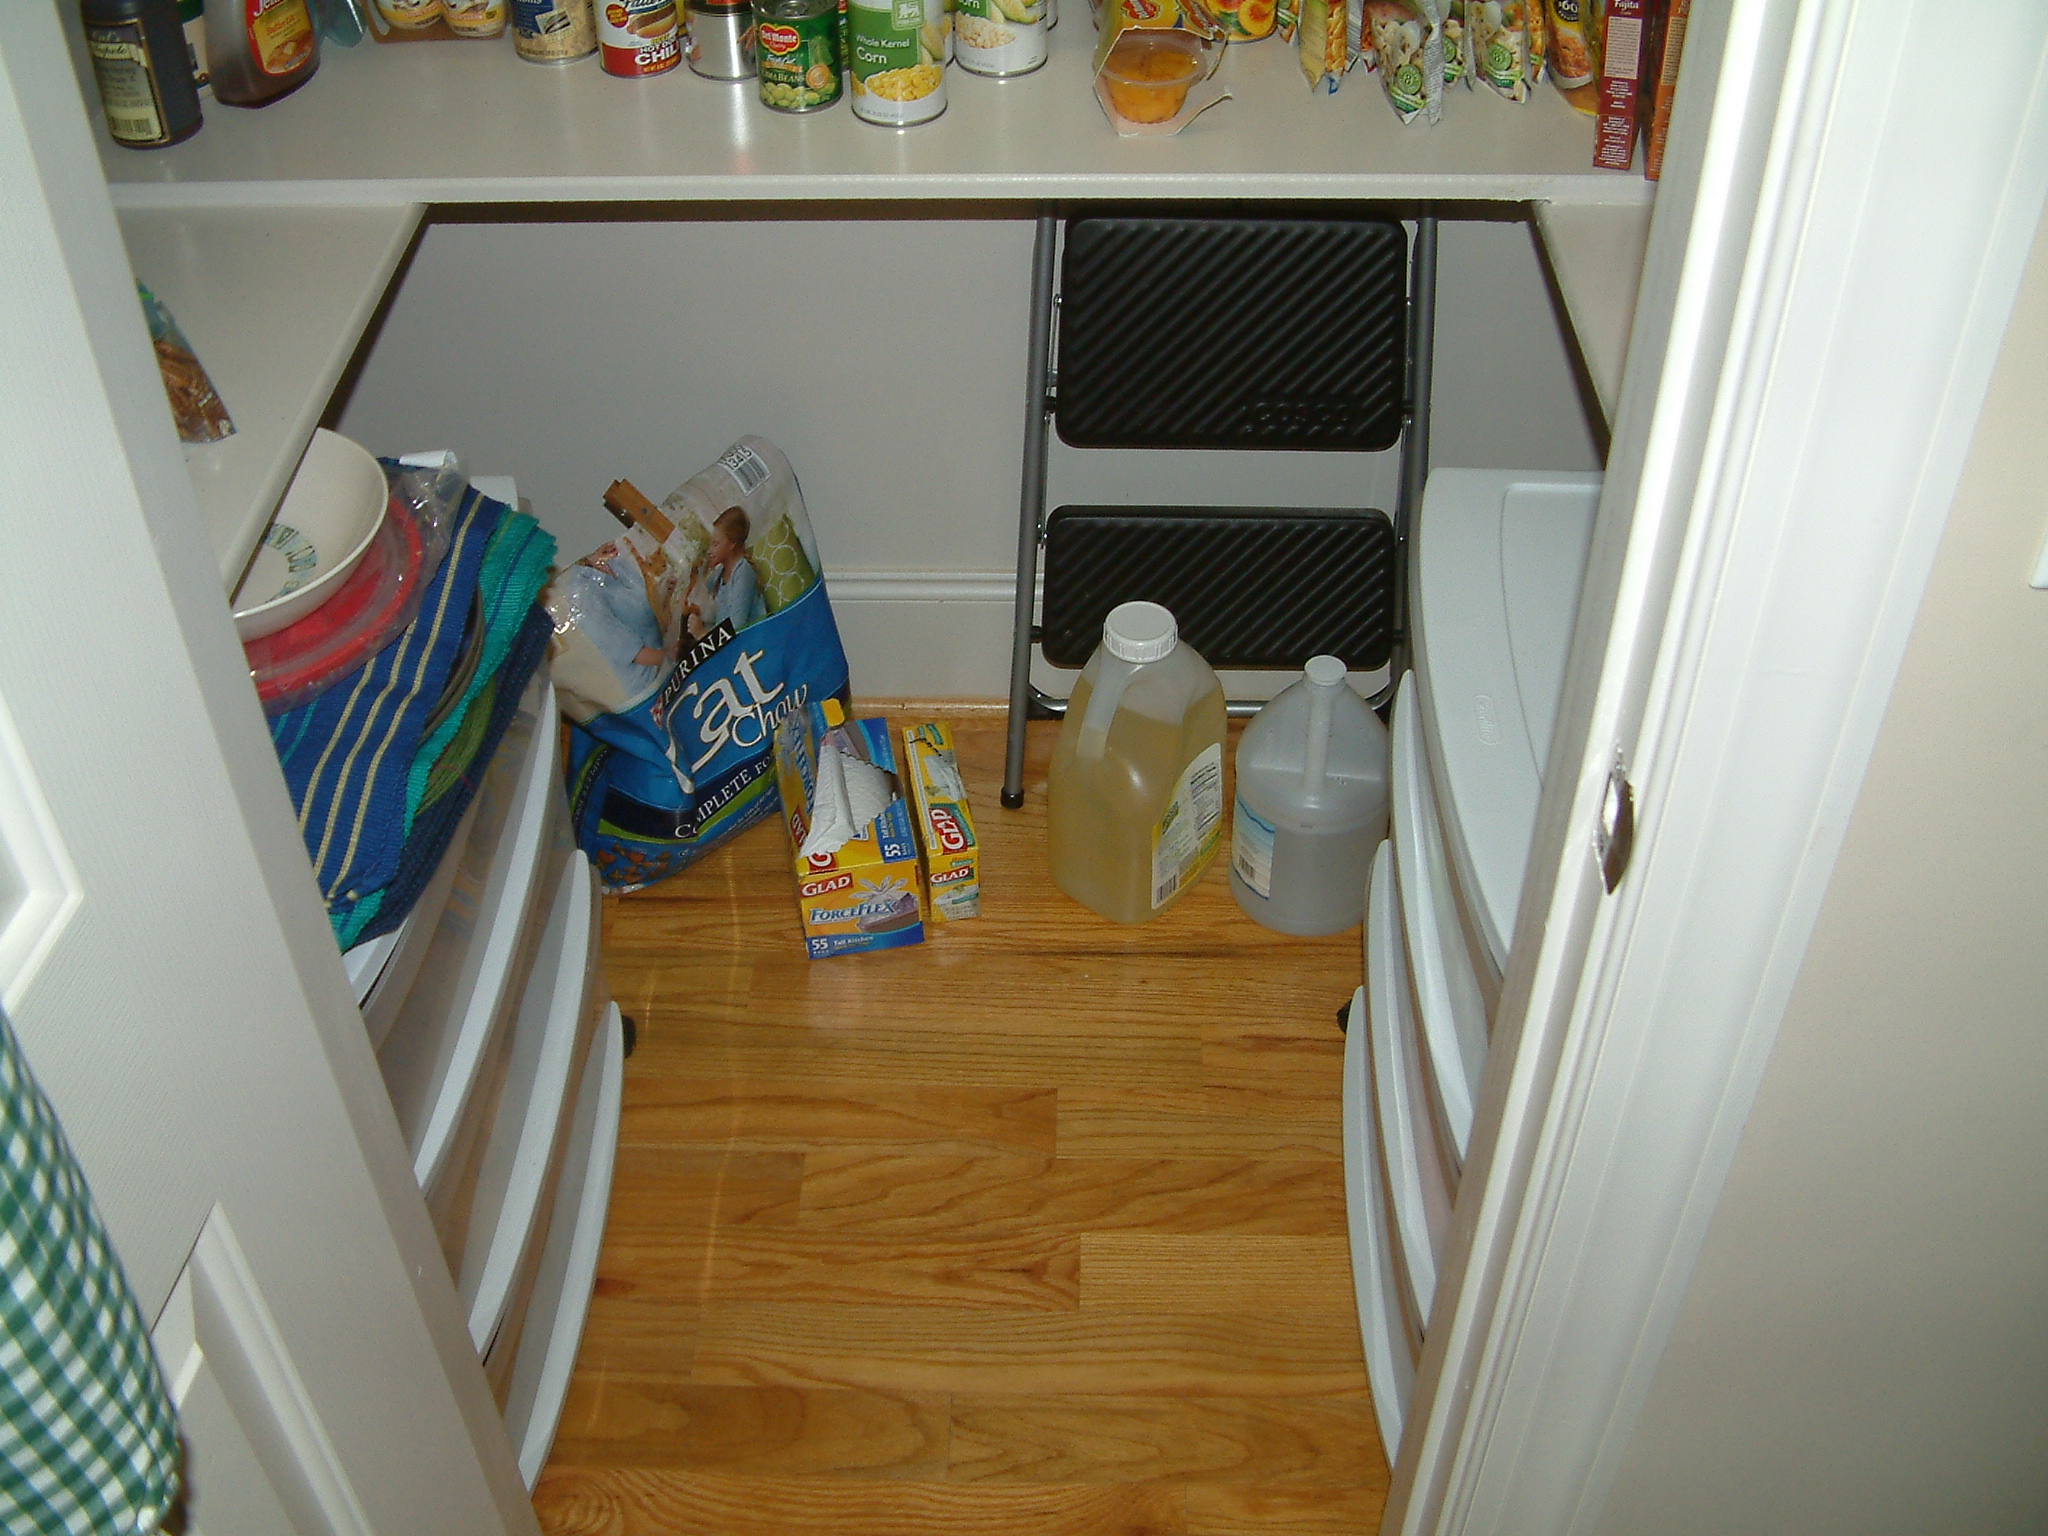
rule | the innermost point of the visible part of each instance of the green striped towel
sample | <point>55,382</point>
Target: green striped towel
<point>88,1437</point>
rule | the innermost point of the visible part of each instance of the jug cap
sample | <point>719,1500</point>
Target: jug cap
<point>1324,671</point>
<point>1139,632</point>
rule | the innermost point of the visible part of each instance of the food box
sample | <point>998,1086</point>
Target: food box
<point>868,894</point>
<point>945,827</point>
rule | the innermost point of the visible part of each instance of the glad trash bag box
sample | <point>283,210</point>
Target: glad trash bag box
<point>858,884</point>
<point>678,648</point>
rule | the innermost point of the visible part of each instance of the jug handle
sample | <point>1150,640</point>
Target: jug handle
<point>1110,683</point>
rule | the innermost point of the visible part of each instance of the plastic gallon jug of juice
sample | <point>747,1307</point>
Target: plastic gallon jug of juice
<point>1311,805</point>
<point>1135,797</point>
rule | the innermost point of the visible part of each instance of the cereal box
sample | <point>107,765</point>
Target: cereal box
<point>866,894</point>
<point>952,857</point>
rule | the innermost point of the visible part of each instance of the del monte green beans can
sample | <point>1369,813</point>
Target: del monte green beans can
<point>797,47</point>
<point>899,63</point>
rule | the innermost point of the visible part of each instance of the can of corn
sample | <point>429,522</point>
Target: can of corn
<point>797,45</point>
<point>1000,37</point>
<point>899,63</point>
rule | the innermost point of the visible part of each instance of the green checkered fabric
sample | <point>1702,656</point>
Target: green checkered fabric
<point>88,1437</point>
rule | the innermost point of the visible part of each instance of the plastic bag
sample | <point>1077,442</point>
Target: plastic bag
<point>1501,33</point>
<point>678,646</point>
<point>195,404</point>
<point>296,664</point>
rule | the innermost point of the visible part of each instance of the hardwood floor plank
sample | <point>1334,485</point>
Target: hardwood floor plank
<point>617,1420</point>
<point>1226,1509</point>
<point>1212,1122</point>
<point>803,1115</point>
<point>665,1189</point>
<point>934,1349</point>
<point>884,1194</point>
<point>581,1502</point>
<point>1220,1272</point>
<point>964,1055</point>
<point>755,1265</point>
<point>1294,1057</point>
<point>638,1335</point>
<point>1331,1442</point>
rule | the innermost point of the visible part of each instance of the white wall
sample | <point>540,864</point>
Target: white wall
<point>1864,1344</point>
<point>887,357</point>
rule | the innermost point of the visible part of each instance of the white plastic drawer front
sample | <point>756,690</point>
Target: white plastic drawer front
<point>1419,1184</point>
<point>534,1113</point>
<point>1454,1024</point>
<point>1382,1312</point>
<point>568,1269</point>
<point>437,1044</point>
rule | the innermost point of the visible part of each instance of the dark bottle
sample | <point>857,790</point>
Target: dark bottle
<point>257,50</point>
<point>138,57</point>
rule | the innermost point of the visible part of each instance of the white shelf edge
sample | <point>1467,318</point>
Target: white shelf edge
<point>1417,1226</point>
<point>1596,250</point>
<point>1389,1362</point>
<point>546,1108</point>
<point>540,1382</point>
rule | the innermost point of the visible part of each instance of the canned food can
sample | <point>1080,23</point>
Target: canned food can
<point>475,18</point>
<point>721,43</point>
<point>797,46</point>
<point>938,24</point>
<point>899,69</point>
<point>638,38</point>
<point>553,31</point>
<point>1000,37</point>
<point>409,15</point>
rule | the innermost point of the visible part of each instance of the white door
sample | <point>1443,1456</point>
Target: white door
<point>162,950</point>
<point>1832,259</point>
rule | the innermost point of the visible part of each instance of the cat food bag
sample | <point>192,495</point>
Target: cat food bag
<point>678,647</point>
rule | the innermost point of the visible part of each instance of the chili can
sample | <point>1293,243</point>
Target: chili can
<point>638,38</point>
<point>553,31</point>
<point>899,63</point>
<point>797,47</point>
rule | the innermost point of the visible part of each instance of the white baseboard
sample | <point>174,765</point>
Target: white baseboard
<point>946,635</point>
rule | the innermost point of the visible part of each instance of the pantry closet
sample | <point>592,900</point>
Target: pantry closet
<point>1776,476</point>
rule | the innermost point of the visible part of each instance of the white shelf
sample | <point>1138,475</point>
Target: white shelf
<point>1597,254</point>
<point>462,122</point>
<point>561,1294</point>
<point>273,301</point>
<point>1388,1332</point>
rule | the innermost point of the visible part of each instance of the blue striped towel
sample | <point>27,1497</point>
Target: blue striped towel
<point>348,754</point>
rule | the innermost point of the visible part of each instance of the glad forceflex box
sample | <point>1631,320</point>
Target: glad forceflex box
<point>866,894</point>
<point>952,856</point>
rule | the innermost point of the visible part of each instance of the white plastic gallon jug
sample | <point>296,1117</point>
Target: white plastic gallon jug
<point>1311,805</point>
<point>1135,798</point>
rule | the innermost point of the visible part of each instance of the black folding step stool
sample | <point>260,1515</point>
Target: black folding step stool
<point>1305,330</point>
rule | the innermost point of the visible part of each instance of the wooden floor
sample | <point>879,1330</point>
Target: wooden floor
<point>1036,1228</point>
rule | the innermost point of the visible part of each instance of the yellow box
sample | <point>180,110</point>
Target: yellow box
<point>945,827</point>
<point>868,894</point>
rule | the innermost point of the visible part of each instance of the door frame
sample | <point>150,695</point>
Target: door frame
<point>1831,265</point>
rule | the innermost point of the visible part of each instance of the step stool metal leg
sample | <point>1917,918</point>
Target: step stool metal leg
<point>1031,502</point>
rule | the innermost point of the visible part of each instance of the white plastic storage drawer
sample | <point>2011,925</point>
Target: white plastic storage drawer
<point>1420,1184</point>
<point>544,1350</point>
<point>556,1018</point>
<point>1390,1331</point>
<point>1447,988</point>
<point>435,1053</point>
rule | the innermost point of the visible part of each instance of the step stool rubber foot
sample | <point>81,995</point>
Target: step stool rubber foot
<point>1013,802</point>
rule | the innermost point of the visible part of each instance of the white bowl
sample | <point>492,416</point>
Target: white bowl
<point>322,530</point>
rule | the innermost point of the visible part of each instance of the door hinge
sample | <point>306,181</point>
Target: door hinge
<point>1615,838</point>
